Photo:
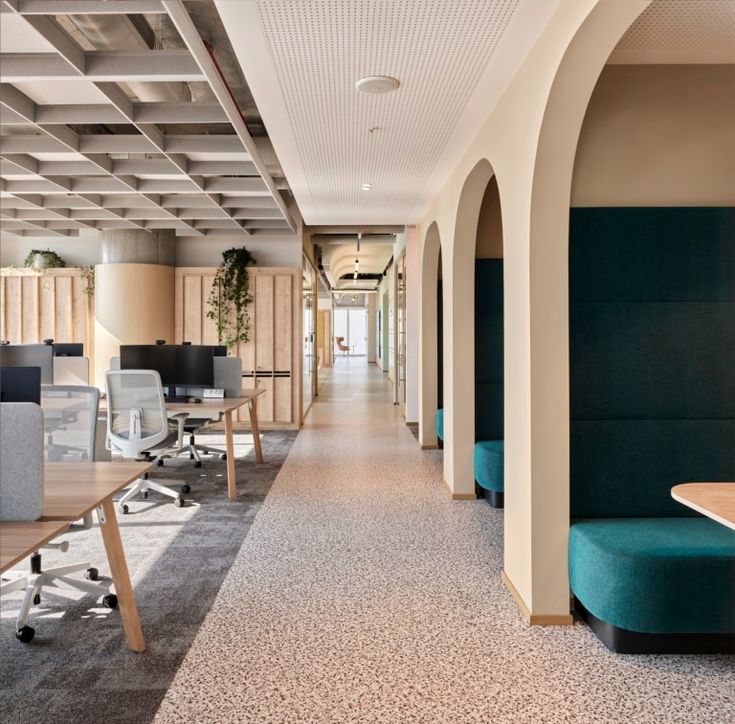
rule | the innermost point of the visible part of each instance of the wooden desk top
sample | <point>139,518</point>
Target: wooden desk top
<point>715,500</point>
<point>19,540</point>
<point>209,405</point>
<point>71,490</point>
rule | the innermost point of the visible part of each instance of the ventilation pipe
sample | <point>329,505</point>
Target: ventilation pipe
<point>120,32</point>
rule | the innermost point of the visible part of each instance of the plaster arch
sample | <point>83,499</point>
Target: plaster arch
<point>431,257</point>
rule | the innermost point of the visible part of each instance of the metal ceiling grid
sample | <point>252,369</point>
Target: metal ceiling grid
<point>56,177</point>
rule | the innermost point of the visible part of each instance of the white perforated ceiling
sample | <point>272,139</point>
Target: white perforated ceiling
<point>681,31</point>
<point>302,59</point>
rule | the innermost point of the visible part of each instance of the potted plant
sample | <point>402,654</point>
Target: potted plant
<point>43,259</point>
<point>231,296</point>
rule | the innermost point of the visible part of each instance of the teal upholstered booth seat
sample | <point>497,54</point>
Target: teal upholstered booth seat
<point>489,466</point>
<point>655,575</point>
<point>440,424</point>
<point>652,405</point>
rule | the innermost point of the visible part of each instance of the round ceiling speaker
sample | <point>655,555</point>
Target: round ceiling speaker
<point>377,84</point>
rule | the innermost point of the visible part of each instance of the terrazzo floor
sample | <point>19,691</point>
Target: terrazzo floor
<point>363,594</point>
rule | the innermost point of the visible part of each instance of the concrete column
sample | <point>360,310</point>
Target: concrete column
<point>134,292</point>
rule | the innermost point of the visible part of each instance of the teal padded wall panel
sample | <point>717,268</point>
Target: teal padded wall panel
<point>488,349</point>
<point>652,254</point>
<point>652,354</point>
<point>634,360</point>
<point>626,468</point>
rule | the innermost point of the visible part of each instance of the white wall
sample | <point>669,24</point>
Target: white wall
<point>413,300</point>
<point>190,251</point>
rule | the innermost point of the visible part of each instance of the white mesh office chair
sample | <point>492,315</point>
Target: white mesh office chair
<point>137,426</point>
<point>69,422</point>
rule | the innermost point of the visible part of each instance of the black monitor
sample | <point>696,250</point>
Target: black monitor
<point>179,365</point>
<point>30,355</point>
<point>68,349</point>
<point>20,384</point>
<point>220,350</point>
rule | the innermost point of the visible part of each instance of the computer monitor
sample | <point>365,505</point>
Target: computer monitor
<point>30,355</point>
<point>220,350</point>
<point>179,365</point>
<point>20,384</point>
<point>68,349</point>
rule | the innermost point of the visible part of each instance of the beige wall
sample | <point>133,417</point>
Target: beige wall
<point>490,226</point>
<point>137,307</point>
<point>529,140</point>
<point>658,135</point>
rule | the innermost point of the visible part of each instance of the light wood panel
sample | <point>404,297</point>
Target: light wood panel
<point>269,358</point>
<point>47,304</point>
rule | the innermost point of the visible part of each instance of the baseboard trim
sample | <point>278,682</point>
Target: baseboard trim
<point>623,641</point>
<point>429,447</point>
<point>459,496</point>
<point>535,619</point>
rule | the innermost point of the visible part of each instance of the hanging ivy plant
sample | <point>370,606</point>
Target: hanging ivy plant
<point>43,259</point>
<point>88,276</point>
<point>230,296</point>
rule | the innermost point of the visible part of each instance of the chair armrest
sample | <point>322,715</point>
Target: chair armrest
<point>179,419</point>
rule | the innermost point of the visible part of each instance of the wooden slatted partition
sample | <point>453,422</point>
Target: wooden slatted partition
<point>271,358</point>
<point>48,304</point>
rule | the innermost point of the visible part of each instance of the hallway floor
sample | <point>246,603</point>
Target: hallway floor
<point>363,593</point>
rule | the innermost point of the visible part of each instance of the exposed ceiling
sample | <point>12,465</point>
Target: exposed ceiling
<point>302,59</point>
<point>120,118</point>
<point>339,254</point>
<point>680,31</point>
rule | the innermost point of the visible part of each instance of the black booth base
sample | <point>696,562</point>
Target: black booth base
<point>622,641</point>
<point>495,500</point>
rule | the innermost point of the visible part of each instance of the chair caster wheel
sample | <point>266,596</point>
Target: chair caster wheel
<point>223,456</point>
<point>25,634</point>
<point>124,509</point>
<point>37,599</point>
<point>185,489</point>
<point>159,463</point>
<point>144,494</point>
<point>179,502</point>
<point>91,574</point>
<point>198,464</point>
<point>110,600</point>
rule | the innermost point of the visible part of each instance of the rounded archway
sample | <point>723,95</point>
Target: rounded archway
<point>429,362</point>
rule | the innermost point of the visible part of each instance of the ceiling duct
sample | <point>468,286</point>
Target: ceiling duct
<point>123,32</point>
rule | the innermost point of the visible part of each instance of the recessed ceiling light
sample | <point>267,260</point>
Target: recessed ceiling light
<point>377,84</point>
<point>366,187</point>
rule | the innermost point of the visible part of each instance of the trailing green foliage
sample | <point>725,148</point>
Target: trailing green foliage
<point>50,259</point>
<point>88,275</point>
<point>230,296</point>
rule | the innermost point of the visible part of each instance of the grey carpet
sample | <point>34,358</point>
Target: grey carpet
<point>78,667</point>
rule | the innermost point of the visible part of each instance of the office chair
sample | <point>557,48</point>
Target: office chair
<point>69,427</point>
<point>138,428</point>
<point>227,376</point>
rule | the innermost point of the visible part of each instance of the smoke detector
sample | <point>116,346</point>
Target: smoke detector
<point>377,84</point>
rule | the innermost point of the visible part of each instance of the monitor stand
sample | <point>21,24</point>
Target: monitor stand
<point>171,396</point>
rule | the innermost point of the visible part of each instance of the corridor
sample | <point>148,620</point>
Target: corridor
<point>363,593</point>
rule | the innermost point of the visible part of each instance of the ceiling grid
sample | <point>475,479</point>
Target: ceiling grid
<point>121,161</point>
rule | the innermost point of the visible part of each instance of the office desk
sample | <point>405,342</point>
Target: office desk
<point>715,500</point>
<point>20,540</point>
<point>212,406</point>
<point>71,490</point>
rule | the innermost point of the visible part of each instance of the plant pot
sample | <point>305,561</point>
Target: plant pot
<point>39,261</point>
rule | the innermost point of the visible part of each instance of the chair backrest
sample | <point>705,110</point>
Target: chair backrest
<point>228,375</point>
<point>136,411</point>
<point>21,461</point>
<point>114,363</point>
<point>69,422</point>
